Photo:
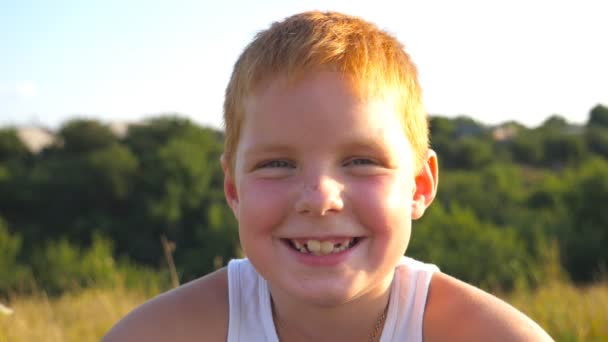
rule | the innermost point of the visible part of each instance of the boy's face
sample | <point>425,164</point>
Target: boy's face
<point>316,162</point>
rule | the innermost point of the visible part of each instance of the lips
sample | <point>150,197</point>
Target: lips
<point>322,247</point>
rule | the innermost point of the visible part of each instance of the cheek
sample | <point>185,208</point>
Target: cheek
<point>262,204</point>
<point>383,205</point>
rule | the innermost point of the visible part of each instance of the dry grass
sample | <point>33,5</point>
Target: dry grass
<point>566,312</point>
<point>82,316</point>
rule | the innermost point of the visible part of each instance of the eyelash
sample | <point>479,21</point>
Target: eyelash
<point>358,160</point>
<point>273,164</point>
<point>284,163</point>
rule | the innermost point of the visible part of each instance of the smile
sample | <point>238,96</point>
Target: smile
<point>317,247</point>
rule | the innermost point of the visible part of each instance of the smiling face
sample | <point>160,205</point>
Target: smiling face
<point>324,189</point>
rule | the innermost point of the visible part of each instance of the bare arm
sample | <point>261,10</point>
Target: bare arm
<point>194,311</point>
<point>457,311</point>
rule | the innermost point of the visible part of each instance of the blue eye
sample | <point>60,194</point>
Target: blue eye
<point>361,161</point>
<point>276,163</point>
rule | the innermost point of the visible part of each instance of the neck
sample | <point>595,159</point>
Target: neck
<point>355,320</point>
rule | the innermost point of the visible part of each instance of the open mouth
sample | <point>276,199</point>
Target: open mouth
<point>317,247</point>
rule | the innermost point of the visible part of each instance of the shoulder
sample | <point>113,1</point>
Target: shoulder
<point>190,312</point>
<point>457,311</point>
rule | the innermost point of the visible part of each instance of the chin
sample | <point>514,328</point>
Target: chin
<point>327,297</point>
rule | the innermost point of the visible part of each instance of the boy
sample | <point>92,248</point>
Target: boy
<point>326,163</point>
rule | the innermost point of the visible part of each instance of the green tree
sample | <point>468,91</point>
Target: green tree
<point>81,135</point>
<point>596,137</point>
<point>475,251</point>
<point>495,193</point>
<point>471,153</point>
<point>77,191</point>
<point>11,147</point>
<point>583,231</point>
<point>113,170</point>
<point>13,275</point>
<point>598,116</point>
<point>181,184</point>
<point>527,148</point>
<point>15,164</point>
<point>555,123</point>
<point>561,149</point>
<point>461,142</point>
<point>63,266</point>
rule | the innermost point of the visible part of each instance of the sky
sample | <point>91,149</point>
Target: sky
<point>119,60</point>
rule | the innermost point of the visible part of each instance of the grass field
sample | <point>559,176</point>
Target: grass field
<point>566,312</point>
<point>82,316</point>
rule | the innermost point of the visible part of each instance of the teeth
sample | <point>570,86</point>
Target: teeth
<point>326,247</point>
<point>317,247</point>
<point>314,246</point>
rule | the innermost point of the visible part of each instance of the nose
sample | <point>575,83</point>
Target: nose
<point>320,196</point>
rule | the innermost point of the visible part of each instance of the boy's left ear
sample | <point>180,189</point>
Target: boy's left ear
<point>426,185</point>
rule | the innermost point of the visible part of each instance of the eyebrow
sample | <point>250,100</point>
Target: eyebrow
<point>369,140</point>
<point>267,147</point>
<point>366,143</point>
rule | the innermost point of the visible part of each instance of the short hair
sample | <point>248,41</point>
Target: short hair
<point>375,61</point>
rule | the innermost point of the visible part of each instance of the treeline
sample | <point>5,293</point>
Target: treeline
<point>516,205</point>
<point>94,203</point>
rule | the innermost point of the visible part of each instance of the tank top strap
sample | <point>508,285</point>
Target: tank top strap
<point>250,312</point>
<point>409,291</point>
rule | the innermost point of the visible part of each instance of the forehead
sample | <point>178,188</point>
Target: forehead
<point>324,92</point>
<point>325,104</point>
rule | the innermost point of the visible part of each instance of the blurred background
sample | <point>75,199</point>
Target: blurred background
<point>110,135</point>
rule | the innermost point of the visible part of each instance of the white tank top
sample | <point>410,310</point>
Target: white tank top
<point>251,314</point>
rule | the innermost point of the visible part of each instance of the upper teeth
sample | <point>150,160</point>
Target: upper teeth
<point>321,247</point>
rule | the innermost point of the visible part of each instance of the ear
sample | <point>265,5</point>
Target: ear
<point>426,185</point>
<point>230,192</point>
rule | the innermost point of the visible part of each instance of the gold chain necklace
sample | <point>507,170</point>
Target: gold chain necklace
<point>379,323</point>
